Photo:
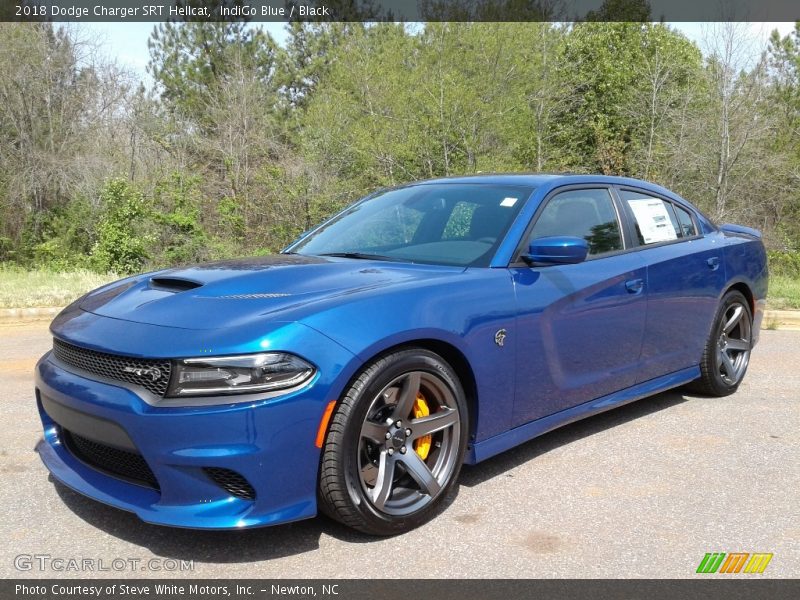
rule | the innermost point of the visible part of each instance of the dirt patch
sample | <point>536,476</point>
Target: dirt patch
<point>540,542</point>
<point>468,518</point>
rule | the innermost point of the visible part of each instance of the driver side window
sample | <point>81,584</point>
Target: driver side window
<point>587,214</point>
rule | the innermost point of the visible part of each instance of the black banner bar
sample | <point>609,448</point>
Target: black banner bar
<point>398,10</point>
<point>733,588</point>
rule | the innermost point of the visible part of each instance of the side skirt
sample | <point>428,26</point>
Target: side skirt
<point>514,437</point>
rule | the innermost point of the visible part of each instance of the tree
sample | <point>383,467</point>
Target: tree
<point>736,108</point>
<point>58,123</point>
<point>192,62</point>
<point>782,205</point>
<point>310,50</point>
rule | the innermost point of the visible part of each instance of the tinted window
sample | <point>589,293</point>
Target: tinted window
<point>442,223</point>
<point>588,214</point>
<point>673,219</point>
<point>654,218</point>
<point>658,220</point>
<point>686,223</point>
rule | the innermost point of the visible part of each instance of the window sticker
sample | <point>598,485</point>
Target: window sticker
<point>653,219</point>
<point>509,201</point>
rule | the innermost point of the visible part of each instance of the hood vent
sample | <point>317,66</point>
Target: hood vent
<point>257,296</point>
<point>173,284</point>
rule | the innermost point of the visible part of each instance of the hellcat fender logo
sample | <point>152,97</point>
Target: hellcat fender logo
<point>152,372</point>
<point>500,337</point>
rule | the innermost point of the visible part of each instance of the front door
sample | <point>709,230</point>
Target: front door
<point>580,326</point>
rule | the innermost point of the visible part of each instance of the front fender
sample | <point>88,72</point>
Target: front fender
<point>465,314</point>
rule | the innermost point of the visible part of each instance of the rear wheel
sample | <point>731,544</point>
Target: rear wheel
<point>727,351</point>
<point>395,445</point>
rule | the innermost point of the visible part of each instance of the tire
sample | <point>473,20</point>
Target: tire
<point>727,351</point>
<point>386,468</point>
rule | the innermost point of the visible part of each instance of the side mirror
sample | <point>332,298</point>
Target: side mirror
<point>557,250</point>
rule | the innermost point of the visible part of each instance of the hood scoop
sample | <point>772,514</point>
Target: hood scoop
<point>173,284</point>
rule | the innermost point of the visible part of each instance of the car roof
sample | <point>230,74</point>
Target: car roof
<point>539,179</point>
<point>528,179</point>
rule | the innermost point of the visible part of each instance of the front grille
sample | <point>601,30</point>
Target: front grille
<point>231,482</point>
<point>151,374</point>
<point>122,463</point>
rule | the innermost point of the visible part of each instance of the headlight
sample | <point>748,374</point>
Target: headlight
<point>249,373</point>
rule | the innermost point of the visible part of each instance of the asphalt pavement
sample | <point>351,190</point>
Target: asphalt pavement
<point>643,491</point>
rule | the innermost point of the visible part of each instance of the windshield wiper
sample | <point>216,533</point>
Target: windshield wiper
<point>360,256</point>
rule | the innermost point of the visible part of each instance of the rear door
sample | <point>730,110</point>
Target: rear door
<point>580,327</point>
<point>685,274</point>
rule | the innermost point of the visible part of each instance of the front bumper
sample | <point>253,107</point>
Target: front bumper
<point>270,443</point>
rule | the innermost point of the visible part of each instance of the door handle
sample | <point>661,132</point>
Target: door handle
<point>634,286</point>
<point>713,263</point>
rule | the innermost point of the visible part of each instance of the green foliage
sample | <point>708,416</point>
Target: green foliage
<point>231,219</point>
<point>784,292</point>
<point>59,239</point>
<point>309,54</point>
<point>123,239</point>
<point>193,63</point>
<point>622,10</point>
<point>786,264</point>
<point>294,201</point>
<point>179,233</point>
<point>784,65</point>
<point>627,76</point>
<point>440,106</point>
<point>242,145</point>
<point>66,237</point>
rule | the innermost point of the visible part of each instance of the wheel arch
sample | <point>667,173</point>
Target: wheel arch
<point>741,286</point>
<point>449,352</point>
<point>466,376</point>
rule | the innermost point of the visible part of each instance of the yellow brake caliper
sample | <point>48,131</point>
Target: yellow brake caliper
<point>422,446</point>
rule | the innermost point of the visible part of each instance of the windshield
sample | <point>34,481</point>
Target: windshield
<point>445,223</point>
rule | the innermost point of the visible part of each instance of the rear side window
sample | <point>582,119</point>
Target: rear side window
<point>587,214</point>
<point>686,222</point>
<point>657,220</point>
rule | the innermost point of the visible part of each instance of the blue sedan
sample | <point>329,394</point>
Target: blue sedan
<point>425,326</point>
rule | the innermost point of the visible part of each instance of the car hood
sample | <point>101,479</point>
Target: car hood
<point>231,293</point>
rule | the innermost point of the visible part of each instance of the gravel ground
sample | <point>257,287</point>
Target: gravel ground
<point>643,491</point>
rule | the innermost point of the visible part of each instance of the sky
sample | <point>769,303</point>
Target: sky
<point>127,42</point>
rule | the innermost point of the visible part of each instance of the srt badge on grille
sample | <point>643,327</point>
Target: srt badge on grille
<point>151,372</point>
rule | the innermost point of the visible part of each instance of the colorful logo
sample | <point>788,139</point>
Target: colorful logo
<point>734,562</point>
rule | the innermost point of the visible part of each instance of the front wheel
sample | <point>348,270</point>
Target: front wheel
<point>395,445</point>
<point>727,351</point>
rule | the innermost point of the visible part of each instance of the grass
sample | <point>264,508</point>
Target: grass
<point>40,288</point>
<point>20,288</point>
<point>784,293</point>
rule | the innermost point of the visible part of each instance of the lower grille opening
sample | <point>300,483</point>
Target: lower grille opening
<point>120,463</point>
<point>231,482</point>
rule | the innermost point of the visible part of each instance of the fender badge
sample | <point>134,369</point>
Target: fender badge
<point>500,337</point>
